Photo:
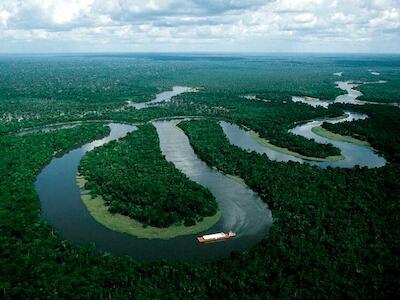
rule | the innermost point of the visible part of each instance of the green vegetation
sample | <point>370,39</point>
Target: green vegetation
<point>337,226</point>
<point>135,180</point>
<point>388,92</point>
<point>76,78</point>
<point>381,129</point>
<point>337,137</point>
<point>264,142</point>
<point>40,97</point>
<point>335,231</point>
<point>125,224</point>
<point>117,78</point>
<point>271,120</point>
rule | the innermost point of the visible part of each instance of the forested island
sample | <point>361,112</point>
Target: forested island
<point>135,180</point>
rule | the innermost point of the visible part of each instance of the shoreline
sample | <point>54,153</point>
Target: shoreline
<point>120,223</point>
<point>319,130</point>
<point>267,144</point>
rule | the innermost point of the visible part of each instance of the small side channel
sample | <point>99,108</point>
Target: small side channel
<point>353,154</point>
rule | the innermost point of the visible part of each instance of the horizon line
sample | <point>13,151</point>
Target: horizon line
<point>200,52</point>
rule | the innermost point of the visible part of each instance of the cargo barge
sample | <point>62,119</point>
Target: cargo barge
<point>215,237</point>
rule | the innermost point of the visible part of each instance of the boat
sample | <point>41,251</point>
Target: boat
<point>220,236</point>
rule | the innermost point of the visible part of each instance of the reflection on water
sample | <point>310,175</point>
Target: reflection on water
<point>314,102</point>
<point>242,210</point>
<point>352,94</point>
<point>353,154</point>
<point>46,129</point>
<point>349,98</point>
<point>163,97</point>
<point>242,138</point>
<point>117,131</point>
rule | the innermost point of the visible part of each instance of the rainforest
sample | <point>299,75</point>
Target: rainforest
<point>156,194</point>
<point>103,197</point>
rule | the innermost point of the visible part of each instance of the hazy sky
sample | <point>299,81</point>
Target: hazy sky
<point>200,25</point>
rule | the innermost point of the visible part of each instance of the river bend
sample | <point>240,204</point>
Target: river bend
<point>242,210</point>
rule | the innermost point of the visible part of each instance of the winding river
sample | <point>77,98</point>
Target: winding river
<point>241,138</point>
<point>353,154</point>
<point>242,209</point>
<point>163,97</point>
<point>349,98</point>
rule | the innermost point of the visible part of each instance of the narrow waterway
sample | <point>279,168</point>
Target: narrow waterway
<point>242,138</point>
<point>352,154</point>
<point>351,94</point>
<point>349,98</point>
<point>162,97</point>
<point>46,129</point>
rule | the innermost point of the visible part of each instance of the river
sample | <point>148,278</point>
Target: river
<point>242,210</point>
<point>353,154</point>
<point>162,97</point>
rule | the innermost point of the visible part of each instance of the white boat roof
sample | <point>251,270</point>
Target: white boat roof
<point>214,236</point>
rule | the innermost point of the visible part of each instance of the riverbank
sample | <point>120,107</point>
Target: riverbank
<point>120,223</point>
<point>267,144</point>
<point>337,137</point>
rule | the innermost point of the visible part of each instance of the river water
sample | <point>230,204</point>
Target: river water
<point>162,97</point>
<point>242,210</point>
<point>353,154</point>
<point>349,98</point>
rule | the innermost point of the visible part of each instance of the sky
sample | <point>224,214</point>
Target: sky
<point>360,26</point>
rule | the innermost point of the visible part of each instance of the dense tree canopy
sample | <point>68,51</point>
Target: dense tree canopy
<point>335,232</point>
<point>381,128</point>
<point>336,226</point>
<point>133,177</point>
<point>272,119</point>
